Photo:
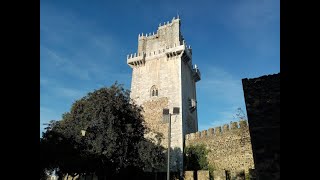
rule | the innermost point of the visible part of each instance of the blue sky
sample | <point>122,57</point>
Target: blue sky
<point>84,44</point>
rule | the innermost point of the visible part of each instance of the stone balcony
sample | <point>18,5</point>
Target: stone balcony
<point>196,74</point>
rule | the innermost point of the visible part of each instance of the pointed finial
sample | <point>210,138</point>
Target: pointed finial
<point>142,34</point>
<point>159,24</point>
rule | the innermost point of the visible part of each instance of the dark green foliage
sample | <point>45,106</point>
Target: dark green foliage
<point>114,142</point>
<point>196,158</point>
<point>152,156</point>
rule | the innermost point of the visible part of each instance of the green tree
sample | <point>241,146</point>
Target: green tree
<point>196,158</point>
<point>60,153</point>
<point>113,144</point>
<point>152,156</point>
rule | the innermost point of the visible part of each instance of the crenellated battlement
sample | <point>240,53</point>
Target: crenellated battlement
<point>167,35</point>
<point>172,50</point>
<point>148,35</point>
<point>168,24</point>
<point>166,41</point>
<point>229,146</point>
<point>160,27</point>
<point>226,128</point>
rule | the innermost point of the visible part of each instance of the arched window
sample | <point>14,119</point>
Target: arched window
<point>154,91</point>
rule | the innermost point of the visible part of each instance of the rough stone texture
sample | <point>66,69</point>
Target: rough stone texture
<point>188,92</point>
<point>152,113</point>
<point>163,62</point>
<point>230,149</point>
<point>262,98</point>
<point>203,175</point>
<point>219,174</point>
<point>188,175</point>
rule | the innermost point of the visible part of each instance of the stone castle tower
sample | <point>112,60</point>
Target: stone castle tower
<point>163,77</point>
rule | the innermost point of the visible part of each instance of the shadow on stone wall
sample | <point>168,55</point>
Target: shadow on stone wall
<point>262,98</point>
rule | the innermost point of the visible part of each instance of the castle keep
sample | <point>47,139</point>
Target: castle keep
<point>163,77</point>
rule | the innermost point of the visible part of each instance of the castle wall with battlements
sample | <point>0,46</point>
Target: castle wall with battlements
<point>229,145</point>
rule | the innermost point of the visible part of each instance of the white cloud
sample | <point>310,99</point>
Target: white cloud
<point>219,96</point>
<point>74,45</point>
<point>43,81</point>
<point>52,59</point>
<point>68,92</point>
<point>221,85</point>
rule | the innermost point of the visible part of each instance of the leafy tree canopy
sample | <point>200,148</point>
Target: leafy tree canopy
<point>114,140</point>
<point>196,157</point>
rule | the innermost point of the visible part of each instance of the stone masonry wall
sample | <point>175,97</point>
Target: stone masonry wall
<point>262,98</point>
<point>167,35</point>
<point>163,62</point>
<point>203,175</point>
<point>188,92</point>
<point>152,113</point>
<point>230,148</point>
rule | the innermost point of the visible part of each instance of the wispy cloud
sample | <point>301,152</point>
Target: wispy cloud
<point>43,81</point>
<point>58,62</point>
<point>74,46</point>
<point>69,92</point>
<point>221,85</point>
<point>219,95</point>
<point>54,88</point>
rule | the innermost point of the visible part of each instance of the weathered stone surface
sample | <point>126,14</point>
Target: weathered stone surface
<point>188,175</point>
<point>203,175</point>
<point>163,77</point>
<point>262,98</point>
<point>219,174</point>
<point>152,112</point>
<point>230,149</point>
